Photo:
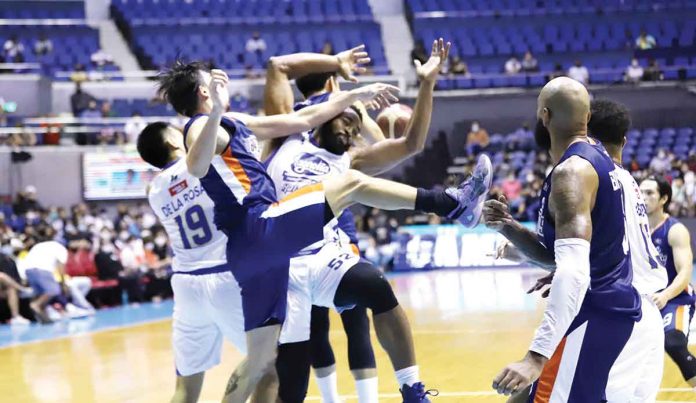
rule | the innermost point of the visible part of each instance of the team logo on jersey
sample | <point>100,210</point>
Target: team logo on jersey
<point>178,188</point>
<point>308,164</point>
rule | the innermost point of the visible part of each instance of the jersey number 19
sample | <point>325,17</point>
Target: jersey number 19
<point>194,222</point>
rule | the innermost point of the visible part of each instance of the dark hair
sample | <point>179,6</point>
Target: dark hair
<point>179,84</point>
<point>152,146</point>
<point>663,188</point>
<point>609,121</point>
<point>312,83</point>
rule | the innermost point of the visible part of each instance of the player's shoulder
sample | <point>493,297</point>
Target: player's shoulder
<point>677,231</point>
<point>572,169</point>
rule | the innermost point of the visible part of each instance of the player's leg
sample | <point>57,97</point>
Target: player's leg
<point>353,187</point>
<point>676,324</point>
<point>45,288</point>
<point>361,356</point>
<point>323,359</point>
<point>188,388</point>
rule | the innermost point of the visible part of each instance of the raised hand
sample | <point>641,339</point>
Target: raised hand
<point>382,94</point>
<point>351,61</point>
<point>219,94</point>
<point>496,213</point>
<point>438,57</point>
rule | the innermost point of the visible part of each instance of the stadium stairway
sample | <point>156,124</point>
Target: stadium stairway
<point>112,42</point>
<point>396,34</point>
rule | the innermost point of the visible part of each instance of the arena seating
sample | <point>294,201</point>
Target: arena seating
<point>160,34</point>
<point>27,9</point>
<point>126,107</point>
<point>602,41</point>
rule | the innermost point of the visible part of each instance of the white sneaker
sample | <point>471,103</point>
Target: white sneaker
<point>19,320</point>
<point>53,314</point>
<point>74,312</point>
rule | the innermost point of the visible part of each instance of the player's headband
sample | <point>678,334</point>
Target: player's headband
<point>353,110</point>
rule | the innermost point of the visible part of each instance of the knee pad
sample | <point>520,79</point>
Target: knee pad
<point>364,285</point>
<point>380,296</point>
<point>292,366</point>
<point>357,327</point>
<point>676,345</point>
<point>321,353</point>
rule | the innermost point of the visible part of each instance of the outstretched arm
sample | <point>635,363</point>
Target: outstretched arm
<point>574,187</point>
<point>388,153</point>
<point>680,241</point>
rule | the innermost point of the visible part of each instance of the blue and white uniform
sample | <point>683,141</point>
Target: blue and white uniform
<point>262,233</point>
<point>679,311</point>
<point>579,368</point>
<point>637,373</point>
<point>207,298</point>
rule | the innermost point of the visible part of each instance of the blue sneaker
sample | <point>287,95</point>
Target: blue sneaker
<point>471,193</point>
<point>416,393</point>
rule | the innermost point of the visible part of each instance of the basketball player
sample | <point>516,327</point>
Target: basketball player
<point>207,299</point>
<point>311,157</point>
<point>676,302</point>
<point>637,373</point>
<point>584,328</point>
<point>221,151</point>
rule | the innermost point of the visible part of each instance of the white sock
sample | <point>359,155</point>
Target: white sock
<point>367,390</point>
<point>329,388</point>
<point>408,376</point>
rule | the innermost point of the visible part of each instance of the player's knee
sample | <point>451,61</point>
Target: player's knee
<point>320,321</point>
<point>675,342</point>
<point>380,294</point>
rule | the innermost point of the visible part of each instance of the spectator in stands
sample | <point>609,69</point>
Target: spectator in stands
<point>10,284</point>
<point>13,51</point>
<point>39,266</point>
<point>106,111</point>
<point>578,72</point>
<point>529,63</point>
<point>134,125</point>
<point>26,201</point>
<point>513,66</point>
<point>92,110</point>
<point>661,163</point>
<point>477,139</point>
<point>100,58</point>
<point>43,45</point>
<point>250,73</point>
<point>511,187</point>
<point>645,41</point>
<point>419,53</point>
<point>457,67</point>
<point>159,268</point>
<point>557,72</point>
<point>132,257</point>
<point>634,72</point>
<point>328,48</point>
<point>653,72</point>
<point>256,44</point>
<point>678,197</point>
<point>634,166</point>
<point>80,100</point>
<point>79,73</point>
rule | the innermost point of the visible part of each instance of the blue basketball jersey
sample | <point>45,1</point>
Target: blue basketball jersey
<point>346,221</point>
<point>610,261</point>
<point>660,238</point>
<point>236,180</point>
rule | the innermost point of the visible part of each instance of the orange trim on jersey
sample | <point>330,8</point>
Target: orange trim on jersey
<point>237,169</point>
<point>549,374</point>
<point>679,320</point>
<point>317,187</point>
<point>355,249</point>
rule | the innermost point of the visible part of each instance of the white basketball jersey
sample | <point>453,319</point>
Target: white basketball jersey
<point>649,276</point>
<point>186,212</point>
<point>298,163</point>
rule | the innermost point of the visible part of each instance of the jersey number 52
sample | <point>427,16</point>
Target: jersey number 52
<point>194,223</point>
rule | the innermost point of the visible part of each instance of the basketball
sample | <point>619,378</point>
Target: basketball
<point>394,120</point>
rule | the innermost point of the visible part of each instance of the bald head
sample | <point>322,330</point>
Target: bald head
<point>564,107</point>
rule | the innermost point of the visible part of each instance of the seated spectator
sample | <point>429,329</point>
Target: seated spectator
<point>512,66</point>
<point>26,201</point>
<point>92,110</point>
<point>477,139</point>
<point>458,67</point>
<point>578,72</point>
<point>557,72</point>
<point>661,162</point>
<point>328,48</point>
<point>10,284</point>
<point>653,72</point>
<point>529,63</point>
<point>256,44</point>
<point>53,132</point>
<point>79,74</point>
<point>133,127</point>
<point>132,256</point>
<point>634,72</point>
<point>634,166</point>
<point>13,51</point>
<point>511,187</point>
<point>419,53</point>
<point>43,45</point>
<point>250,73</point>
<point>645,41</point>
<point>80,100</point>
<point>100,58</point>
<point>159,268</point>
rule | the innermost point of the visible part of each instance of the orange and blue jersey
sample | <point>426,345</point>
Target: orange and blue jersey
<point>236,180</point>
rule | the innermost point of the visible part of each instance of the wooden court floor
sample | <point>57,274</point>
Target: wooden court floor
<point>467,325</point>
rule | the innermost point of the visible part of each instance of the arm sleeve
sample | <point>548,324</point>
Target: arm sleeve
<point>568,290</point>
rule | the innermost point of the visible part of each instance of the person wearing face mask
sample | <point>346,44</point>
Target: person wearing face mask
<point>477,139</point>
<point>159,268</point>
<point>661,163</point>
<point>634,72</point>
